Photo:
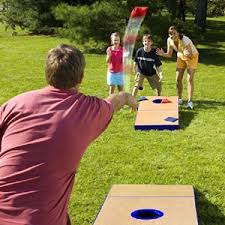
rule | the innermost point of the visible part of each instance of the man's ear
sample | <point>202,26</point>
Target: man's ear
<point>81,77</point>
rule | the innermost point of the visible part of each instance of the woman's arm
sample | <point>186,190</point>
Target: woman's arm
<point>168,54</point>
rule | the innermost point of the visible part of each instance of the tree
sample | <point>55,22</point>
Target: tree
<point>201,14</point>
<point>182,10</point>
<point>31,14</point>
<point>216,8</point>
<point>36,16</point>
<point>172,8</point>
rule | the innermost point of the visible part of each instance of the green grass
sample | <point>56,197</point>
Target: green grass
<point>194,154</point>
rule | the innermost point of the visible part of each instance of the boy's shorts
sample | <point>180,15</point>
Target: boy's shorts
<point>115,78</point>
<point>189,63</point>
<point>152,80</point>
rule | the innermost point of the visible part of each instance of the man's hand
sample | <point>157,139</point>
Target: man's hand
<point>131,101</point>
<point>121,99</point>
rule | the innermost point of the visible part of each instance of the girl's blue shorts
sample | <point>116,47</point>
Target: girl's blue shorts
<point>115,78</point>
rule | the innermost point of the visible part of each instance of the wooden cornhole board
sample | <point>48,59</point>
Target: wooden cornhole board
<point>175,201</point>
<point>152,115</point>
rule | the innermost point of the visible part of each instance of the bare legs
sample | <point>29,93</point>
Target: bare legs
<point>139,79</point>
<point>112,88</point>
<point>153,81</point>
<point>159,89</point>
<point>179,78</point>
<point>120,88</point>
<point>190,83</point>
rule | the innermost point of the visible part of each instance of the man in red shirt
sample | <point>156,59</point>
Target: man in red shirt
<point>43,135</point>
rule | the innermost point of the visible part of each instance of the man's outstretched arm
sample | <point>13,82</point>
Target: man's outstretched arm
<point>121,99</point>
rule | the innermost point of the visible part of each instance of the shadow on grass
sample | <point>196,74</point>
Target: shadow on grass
<point>186,116</point>
<point>213,39</point>
<point>212,56</point>
<point>213,52</point>
<point>208,104</point>
<point>208,213</point>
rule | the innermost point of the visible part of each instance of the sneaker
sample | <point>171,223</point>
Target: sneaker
<point>190,105</point>
<point>180,101</point>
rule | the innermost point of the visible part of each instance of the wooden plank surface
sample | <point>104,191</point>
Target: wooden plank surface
<point>175,201</point>
<point>151,190</point>
<point>152,115</point>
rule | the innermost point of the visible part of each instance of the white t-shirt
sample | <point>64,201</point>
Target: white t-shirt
<point>180,48</point>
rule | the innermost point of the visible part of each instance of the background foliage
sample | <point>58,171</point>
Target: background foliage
<point>192,155</point>
<point>90,22</point>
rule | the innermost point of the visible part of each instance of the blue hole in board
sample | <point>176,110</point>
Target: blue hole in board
<point>157,101</point>
<point>147,214</point>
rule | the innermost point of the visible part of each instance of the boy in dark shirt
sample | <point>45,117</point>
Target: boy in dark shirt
<point>147,65</point>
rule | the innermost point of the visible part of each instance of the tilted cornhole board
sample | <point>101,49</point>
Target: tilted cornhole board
<point>157,113</point>
<point>177,203</point>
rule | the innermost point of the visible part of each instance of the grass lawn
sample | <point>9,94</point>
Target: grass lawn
<point>194,154</point>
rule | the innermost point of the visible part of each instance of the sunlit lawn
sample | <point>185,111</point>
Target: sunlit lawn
<point>194,154</point>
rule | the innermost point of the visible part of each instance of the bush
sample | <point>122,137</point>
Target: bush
<point>216,8</point>
<point>91,26</point>
<point>36,16</point>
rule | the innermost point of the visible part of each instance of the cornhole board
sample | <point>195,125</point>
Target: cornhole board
<point>157,116</point>
<point>177,203</point>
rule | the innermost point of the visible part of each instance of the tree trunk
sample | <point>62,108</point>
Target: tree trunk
<point>201,13</point>
<point>182,10</point>
<point>172,8</point>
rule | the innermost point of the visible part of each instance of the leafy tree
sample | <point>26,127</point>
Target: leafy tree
<point>172,8</point>
<point>182,6</point>
<point>34,15</point>
<point>92,25</point>
<point>216,8</point>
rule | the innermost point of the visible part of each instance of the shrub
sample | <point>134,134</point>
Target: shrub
<point>34,15</point>
<point>216,8</point>
<point>91,26</point>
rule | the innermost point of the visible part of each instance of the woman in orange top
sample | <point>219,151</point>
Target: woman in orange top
<point>187,58</point>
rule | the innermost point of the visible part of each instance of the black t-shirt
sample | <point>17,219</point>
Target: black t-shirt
<point>146,61</point>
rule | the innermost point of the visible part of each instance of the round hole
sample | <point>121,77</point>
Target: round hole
<point>147,214</point>
<point>157,101</point>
